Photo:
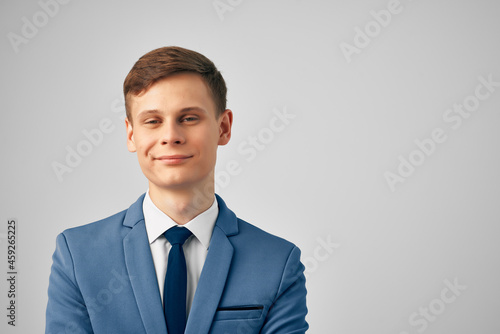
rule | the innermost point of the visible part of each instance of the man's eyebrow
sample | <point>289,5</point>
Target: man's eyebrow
<point>148,112</point>
<point>188,109</point>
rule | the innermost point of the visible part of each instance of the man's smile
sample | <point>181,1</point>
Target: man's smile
<point>173,159</point>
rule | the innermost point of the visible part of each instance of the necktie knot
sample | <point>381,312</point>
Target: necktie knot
<point>177,235</point>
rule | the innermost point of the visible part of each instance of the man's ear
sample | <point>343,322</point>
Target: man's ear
<point>225,123</point>
<point>130,136</point>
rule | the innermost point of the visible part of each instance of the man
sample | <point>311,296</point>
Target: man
<point>177,260</point>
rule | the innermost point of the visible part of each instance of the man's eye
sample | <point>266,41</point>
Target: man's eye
<point>190,119</point>
<point>152,121</point>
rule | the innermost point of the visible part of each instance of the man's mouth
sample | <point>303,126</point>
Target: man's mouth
<point>173,159</point>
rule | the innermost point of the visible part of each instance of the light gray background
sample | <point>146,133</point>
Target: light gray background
<point>320,181</point>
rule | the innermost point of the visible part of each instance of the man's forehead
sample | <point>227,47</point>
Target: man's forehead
<point>181,92</point>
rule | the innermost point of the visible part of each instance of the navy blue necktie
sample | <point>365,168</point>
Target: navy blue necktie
<point>174,293</point>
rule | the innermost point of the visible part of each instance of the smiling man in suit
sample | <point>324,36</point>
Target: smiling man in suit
<point>178,260</point>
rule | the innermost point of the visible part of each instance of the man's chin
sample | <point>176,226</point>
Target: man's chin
<point>173,184</point>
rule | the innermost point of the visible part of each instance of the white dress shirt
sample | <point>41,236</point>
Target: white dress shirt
<point>195,248</point>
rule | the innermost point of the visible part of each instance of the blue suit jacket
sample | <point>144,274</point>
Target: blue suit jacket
<point>103,280</point>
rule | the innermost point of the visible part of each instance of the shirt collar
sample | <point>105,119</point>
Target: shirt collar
<point>158,222</point>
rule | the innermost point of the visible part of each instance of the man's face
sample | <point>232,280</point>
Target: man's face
<point>175,132</point>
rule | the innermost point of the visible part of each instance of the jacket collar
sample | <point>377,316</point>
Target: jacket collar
<point>226,220</point>
<point>134,213</point>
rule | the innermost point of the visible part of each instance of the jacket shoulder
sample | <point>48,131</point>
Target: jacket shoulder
<point>96,231</point>
<point>260,239</point>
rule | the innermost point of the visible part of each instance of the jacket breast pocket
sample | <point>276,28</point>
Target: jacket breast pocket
<point>246,312</point>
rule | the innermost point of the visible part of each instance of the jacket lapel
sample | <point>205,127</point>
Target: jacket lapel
<point>141,270</point>
<point>214,273</point>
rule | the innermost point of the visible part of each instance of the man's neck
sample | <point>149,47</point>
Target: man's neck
<point>182,205</point>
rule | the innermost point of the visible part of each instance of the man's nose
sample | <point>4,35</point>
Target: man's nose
<point>172,133</point>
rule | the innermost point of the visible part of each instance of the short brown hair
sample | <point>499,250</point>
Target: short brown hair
<point>163,62</point>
